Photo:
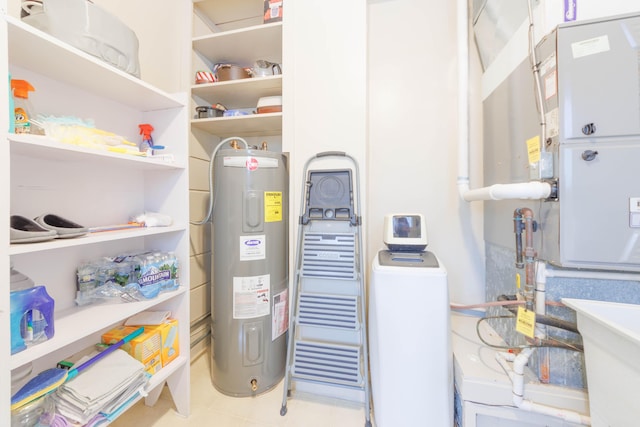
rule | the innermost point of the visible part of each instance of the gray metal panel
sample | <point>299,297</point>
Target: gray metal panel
<point>510,119</point>
<point>599,80</point>
<point>594,213</point>
<point>585,229</point>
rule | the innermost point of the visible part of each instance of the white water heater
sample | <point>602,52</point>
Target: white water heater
<point>250,271</point>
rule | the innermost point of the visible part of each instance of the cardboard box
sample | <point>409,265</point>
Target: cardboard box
<point>272,11</point>
<point>169,338</point>
<point>145,348</point>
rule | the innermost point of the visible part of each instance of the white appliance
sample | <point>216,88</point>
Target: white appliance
<point>410,341</point>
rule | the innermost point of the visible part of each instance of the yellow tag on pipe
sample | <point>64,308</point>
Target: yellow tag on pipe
<point>518,280</point>
<point>526,322</point>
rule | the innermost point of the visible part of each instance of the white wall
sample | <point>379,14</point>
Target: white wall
<point>413,129</point>
<point>324,91</point>
<point>164,51</point>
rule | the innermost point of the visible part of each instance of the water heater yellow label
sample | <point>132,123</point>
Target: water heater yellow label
<point>272,206</point>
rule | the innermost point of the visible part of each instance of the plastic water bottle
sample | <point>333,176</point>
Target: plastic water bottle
<point>172,262</point>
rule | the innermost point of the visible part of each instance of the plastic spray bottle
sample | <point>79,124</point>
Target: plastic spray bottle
<point>12,120</point>
<point>22,107</point>
<point>147,140</point>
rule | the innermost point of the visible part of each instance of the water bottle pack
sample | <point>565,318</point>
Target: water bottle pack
<point>128,277</point>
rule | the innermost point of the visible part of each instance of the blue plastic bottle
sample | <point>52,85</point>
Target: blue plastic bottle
<point>31,317</point>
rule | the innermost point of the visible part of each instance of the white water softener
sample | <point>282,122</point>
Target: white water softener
<point>250,298</point>
<point>409,330</point>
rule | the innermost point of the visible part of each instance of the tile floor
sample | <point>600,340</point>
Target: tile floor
<point>211,408</point>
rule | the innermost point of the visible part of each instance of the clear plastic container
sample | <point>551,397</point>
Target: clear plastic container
<point>39,413</point>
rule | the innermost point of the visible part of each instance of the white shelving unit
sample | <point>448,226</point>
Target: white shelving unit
<point>237,36</point>
<point>94,188</point>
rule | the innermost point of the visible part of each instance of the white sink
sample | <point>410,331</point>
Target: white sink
<point>611,336</point>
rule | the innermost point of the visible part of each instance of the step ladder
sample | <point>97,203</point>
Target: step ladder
<point>327,330</point>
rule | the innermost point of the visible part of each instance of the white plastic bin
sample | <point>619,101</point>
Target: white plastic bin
<point>89,28</point>
<point>611,335</point>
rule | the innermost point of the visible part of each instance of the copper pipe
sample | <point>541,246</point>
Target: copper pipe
<point>528,253</point>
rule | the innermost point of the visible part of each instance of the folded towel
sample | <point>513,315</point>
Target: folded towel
<point>106,384</point>
<point>148,318</point>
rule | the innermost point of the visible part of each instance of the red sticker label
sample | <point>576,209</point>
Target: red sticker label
<point>252,164</point>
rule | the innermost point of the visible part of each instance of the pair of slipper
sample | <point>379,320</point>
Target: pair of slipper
<point>43,228</point>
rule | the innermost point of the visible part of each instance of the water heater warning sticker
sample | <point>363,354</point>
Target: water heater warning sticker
<point>280,319</point>
<point>251,296</point>
<point>272,206</point>
<point>252,247</point>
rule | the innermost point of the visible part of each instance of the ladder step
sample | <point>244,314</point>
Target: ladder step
<point>334,311</point>
<point>329,255</point>
<point>328,363</point>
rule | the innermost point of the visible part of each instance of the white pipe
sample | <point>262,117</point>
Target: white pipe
<point>516,374</point>
<point>530,190</point>
<point>502,359</point>
<point>462,24</point>
<point>541,287</point>
<point>533,190</point>
<point>519,364</point>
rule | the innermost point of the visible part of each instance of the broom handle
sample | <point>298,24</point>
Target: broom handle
<point>113,347</point>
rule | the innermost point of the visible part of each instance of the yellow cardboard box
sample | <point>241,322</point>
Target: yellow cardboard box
<point>169,337</point>
<point>144,348</point>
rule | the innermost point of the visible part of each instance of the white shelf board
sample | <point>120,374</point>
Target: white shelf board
<point>42,147</point>
<point>262,41</point>
<point>92,238</point>
<point>224,13</point>
<point>157,379</point>
<point>161,376</point>
<point>243,93</point>
<point>40,52</point>
<point>253,125</point>
<point>79,322</point>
